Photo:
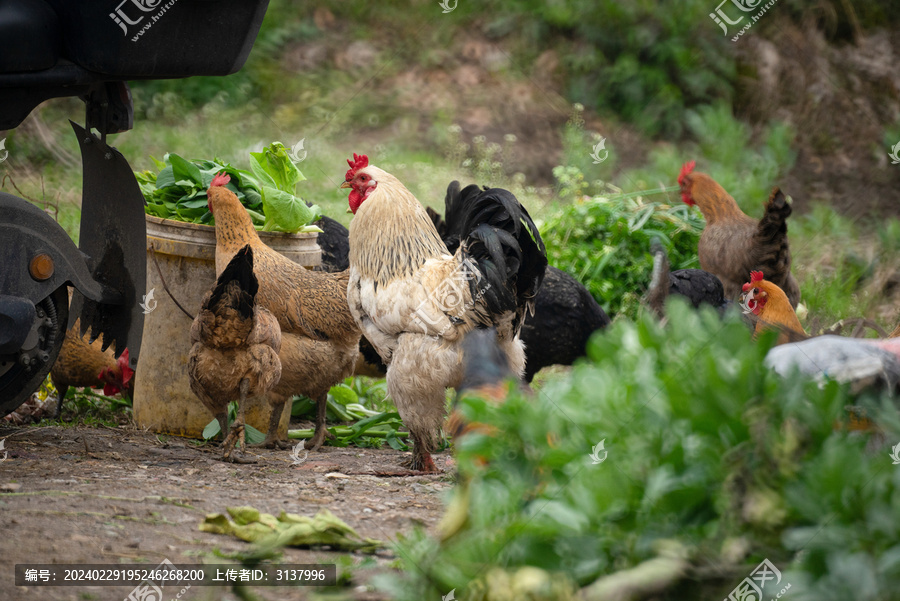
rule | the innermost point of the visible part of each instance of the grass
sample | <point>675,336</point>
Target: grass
<point>86,407</point>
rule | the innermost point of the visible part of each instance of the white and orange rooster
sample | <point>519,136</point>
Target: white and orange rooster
<point>415,301</point>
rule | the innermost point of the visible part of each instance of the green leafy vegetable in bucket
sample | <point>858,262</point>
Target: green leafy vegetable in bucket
<point>279,177</point>
<point>178,190</point>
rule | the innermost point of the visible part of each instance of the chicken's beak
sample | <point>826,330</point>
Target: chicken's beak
<point>346,185</point>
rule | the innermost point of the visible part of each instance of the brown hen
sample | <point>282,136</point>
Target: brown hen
<point>319,338</point>
<point>83,364</point>
<point>235,348</point>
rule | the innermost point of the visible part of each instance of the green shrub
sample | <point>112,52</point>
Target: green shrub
<point>604,241</point>
<point>646,61</point>
<point>708,452</point>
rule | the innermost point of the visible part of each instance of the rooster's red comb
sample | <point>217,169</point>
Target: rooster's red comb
<point>686,169</point>
<point>123,362</point>
<point>220,179</point>
<point>360,161</point>
<point>755,276</point>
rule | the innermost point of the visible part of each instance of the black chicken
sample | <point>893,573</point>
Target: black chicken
<point>698,286</point>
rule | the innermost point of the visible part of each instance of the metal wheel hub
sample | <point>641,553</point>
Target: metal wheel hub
<point>22,372</point>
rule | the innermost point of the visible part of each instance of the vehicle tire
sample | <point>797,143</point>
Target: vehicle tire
<point>19,381</point>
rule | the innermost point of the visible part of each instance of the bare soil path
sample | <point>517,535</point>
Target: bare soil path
<point>117,495</point>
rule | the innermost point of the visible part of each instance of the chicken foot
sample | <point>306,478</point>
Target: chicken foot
<point>236,436</point>
<point>421,457</point>
<point>272,441</point>
<point>321,432</point>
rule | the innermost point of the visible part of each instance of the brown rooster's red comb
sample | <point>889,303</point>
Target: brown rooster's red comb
<point>220,179</point>
<point>127,372</point>
<point>755,276</point>
<point>360,161</point>
<point>686,169</point>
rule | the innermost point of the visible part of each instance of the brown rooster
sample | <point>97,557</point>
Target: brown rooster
<point>769,304</point>
<point>83,364</point>
<point>319,338</point>
<point>415,301</point>
<point>733,244</point>
<point>235,348</point>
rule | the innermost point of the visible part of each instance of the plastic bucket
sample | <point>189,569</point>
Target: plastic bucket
<point>163,401</point>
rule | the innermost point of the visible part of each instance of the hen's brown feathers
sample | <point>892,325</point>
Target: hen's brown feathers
<point>777,313</point>
<point>235,341</point>
<point>771,250</point>
<point>79,363</point>
<point>319,338</point>
<point>305,302</point>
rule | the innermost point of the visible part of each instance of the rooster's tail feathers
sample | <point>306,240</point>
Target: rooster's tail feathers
<point>237,274</point>
<point>773,254</point>
<point>773,224</point>
<point>454,214</point>
<point>499,236</point>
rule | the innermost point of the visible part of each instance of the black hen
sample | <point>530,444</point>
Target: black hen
<point>334,240</point>
<point>698,286</point>
<point>565,317</point>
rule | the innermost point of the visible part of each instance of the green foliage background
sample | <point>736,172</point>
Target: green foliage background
<point>709,452</point>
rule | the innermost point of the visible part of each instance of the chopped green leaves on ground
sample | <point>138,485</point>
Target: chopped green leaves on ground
<point>288,529</point>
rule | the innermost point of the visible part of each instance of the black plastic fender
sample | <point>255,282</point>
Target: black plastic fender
<point>25,232</point>
<point>114,236</point>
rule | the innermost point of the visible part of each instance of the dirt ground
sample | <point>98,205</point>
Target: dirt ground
<point>119,495</point>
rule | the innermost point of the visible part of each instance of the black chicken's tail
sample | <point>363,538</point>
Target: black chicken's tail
<point>498,235</point>
<point>659,279</point>
<point>237,285</point>
<point>697,286</point>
